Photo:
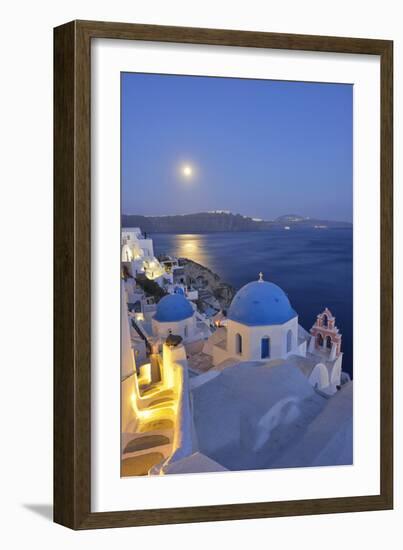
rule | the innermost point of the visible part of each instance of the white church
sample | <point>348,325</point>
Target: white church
<point>175,315</point>
<point>262,326</point>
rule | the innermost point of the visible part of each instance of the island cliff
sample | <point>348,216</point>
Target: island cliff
<point>209,222</point>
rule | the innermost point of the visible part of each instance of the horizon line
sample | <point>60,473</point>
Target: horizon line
<point>229,212</point>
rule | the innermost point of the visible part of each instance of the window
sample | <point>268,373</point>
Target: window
<point>325,320</point>
<point>265,347</point>
<point>238,344</point>
<point>289,341</point>
<point>186,332</point>
<point>328,342</point>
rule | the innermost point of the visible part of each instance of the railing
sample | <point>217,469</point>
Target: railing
<point>142,335</point>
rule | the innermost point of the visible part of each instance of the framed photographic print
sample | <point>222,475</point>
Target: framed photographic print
<point>223,275</point>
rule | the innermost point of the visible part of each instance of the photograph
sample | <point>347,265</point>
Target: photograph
<point>236,274</point>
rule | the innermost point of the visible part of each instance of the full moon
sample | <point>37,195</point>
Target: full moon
<point>187,170</point>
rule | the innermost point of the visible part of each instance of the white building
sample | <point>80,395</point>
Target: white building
<point>141,306</point>
<point>135,243</point>
<point>138,255</point>
<point>262,326</point>
<point>175,315</point>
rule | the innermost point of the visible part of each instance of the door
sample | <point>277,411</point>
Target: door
<point>265,347</point>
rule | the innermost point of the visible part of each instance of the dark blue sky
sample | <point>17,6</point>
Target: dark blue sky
<point>257,147</point>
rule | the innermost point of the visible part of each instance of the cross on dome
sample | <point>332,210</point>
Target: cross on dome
<point>260,277</point>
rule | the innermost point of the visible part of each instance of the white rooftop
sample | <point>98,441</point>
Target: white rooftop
<point>195,463</point>
<point>269,417</point>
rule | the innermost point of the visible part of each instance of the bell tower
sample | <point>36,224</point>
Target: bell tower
<point>325,335</point>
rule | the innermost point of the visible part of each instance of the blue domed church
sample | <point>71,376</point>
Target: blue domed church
<point>261,325</point>
<point>174,315</point>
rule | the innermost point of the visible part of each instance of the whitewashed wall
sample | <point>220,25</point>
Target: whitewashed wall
<point>252,337</point>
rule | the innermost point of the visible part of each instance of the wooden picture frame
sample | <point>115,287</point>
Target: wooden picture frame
<point>72,274</point>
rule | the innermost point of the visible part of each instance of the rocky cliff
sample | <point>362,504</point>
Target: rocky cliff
<point>213,292</point>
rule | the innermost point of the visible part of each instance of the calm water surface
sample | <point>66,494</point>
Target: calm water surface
<point>314,268</point>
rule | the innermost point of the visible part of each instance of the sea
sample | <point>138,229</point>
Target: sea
<point>313,266</point>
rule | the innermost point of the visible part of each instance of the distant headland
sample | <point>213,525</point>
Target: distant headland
<point>223,221</point>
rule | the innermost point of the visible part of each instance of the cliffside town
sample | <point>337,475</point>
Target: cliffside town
<point>213,380</point>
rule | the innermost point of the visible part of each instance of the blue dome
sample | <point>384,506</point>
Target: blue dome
<point>261,303</point>
<point>173,307</point>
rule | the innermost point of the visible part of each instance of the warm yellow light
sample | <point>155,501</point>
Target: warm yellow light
<point>190,246</point>
<point>145,374</point>
<point>187,170</point>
